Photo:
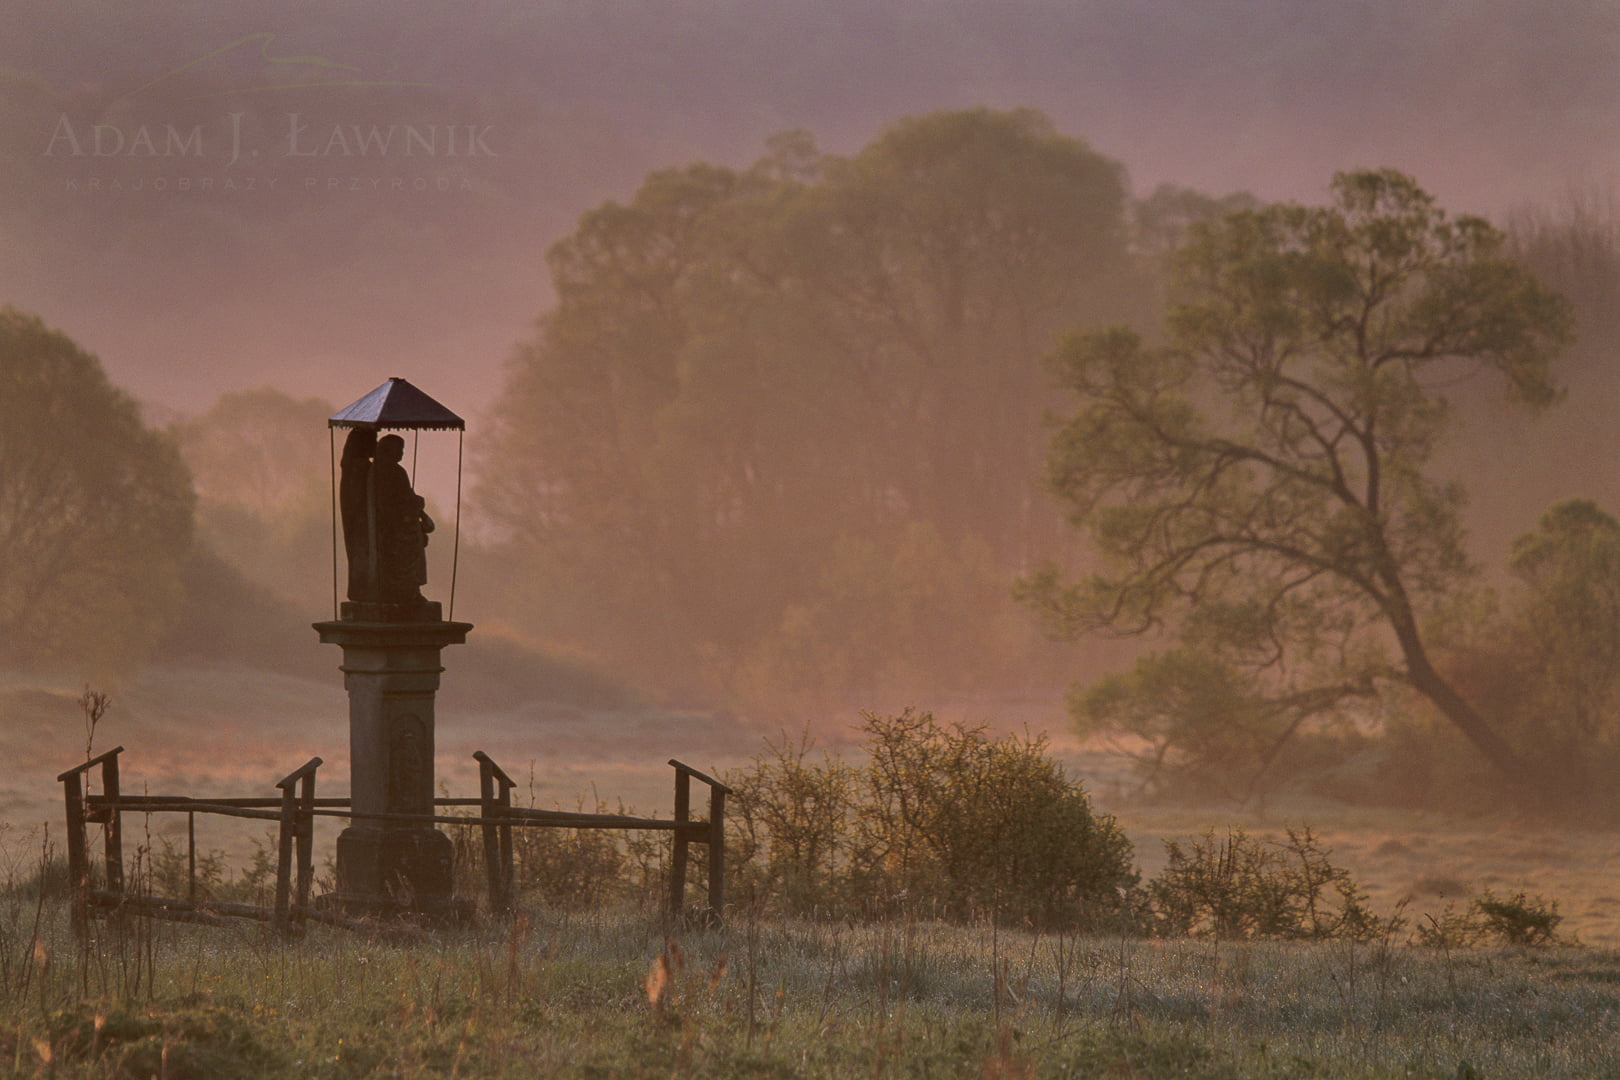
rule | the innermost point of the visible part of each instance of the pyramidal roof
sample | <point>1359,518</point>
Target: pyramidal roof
<point>395,404</point>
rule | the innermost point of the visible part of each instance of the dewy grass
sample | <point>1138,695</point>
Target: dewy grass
<point>570,995</point>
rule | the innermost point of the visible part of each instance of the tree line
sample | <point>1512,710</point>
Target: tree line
<point>791,433</point>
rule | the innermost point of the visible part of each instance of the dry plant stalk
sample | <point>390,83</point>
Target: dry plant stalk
<point>94,703</point>
<point>661,978</point>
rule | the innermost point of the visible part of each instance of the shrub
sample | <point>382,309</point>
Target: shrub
<point>1237,887</point>
<point>1451,929</point>
<point>796,826</point>
<point>943,820</point>
<point>573,869</point>
<point>578,869</point>
<point>1520,920</point>
<point>168,872</point>
<point>979,825</point>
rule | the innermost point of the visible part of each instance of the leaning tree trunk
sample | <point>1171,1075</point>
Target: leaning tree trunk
<point>1475,728</point>
<point>1422,676</point>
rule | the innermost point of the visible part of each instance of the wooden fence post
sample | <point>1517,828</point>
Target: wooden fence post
<point>492,846</point>
<point>292,810</point>
<point>712,833</point>
<point>78,843</point>
<point>717,851</point>
<point>78,860</point>
<point>114,823</point>
<point>503,799</point>
<point>494,800</point>
<point>678,854</point>
<point>191,858</point>
<point>284,858</point>
<point>306,842</point>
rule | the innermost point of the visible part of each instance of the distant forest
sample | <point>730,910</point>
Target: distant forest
<point>776,440</point>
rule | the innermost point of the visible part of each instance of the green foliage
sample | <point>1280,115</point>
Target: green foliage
<point>1519,920</point>
<point>786,420</point>
<point>1544,667</point>
<point>259,449</point>
<point>1159,223</point>
<point>95,509</point>
<point>1491,920</point>
<point>571,869</point>
<point>572,996</point>
<point>168,871</point>
<point>171,870</point>
<point>227,616</point>
<point>1198,724</point>
<point>940,820</point>
<point>565,869</point>
<point>614,992</point>
<point>1451,929</point>
<point>1565,637</point>
<point>1575,248</point>
<point>796,829</point>
<point>1261,484</point>
<point>994,826</point>
<point>1235,888</point>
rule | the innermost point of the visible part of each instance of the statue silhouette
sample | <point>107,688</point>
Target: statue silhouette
<point>399,526</point>
<point>352,507</point>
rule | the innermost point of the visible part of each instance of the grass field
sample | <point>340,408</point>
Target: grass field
<point>618,993</point>
<point>615,994</point>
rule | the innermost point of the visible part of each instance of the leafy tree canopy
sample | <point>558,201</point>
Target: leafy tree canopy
<point>258,448</point>
<point>751,374</point>
<point>1260,483</point>
<point>95,508</point>
<point>1565,631</point>
<point>262,465</point>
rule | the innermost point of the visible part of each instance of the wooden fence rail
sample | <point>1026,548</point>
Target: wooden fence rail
<point>294,813</point>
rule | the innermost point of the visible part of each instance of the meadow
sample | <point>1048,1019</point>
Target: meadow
<point>618,990</point>
<point>621,993</point>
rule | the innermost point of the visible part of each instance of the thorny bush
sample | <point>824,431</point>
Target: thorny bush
<point>941,820</point>
<point>1490,919</point>
<point>1237,887</point>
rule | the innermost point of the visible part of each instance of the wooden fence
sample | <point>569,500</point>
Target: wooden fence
<point>294,811</point>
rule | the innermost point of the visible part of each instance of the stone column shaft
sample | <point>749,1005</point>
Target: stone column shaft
<point>391,672</point>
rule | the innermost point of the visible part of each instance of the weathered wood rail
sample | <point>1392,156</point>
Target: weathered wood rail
<point>294,812</point>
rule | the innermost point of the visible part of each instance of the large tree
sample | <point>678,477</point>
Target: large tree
<point>95,508</point>
<point>262,474</point>
<point>751,377</point>
<point>1262,484</point>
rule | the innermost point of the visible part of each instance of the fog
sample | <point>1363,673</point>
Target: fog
<point>214,200</point>
<point>320,282</point>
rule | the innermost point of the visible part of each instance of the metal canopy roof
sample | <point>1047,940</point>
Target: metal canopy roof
<point>396,404</point>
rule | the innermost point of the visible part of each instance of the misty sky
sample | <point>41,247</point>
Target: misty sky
<point>251,245</point>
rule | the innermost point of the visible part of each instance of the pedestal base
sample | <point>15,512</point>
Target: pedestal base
<point>375,611</point>
<point>396,873</point>
<point>388,864</point>
<point>403,864</point>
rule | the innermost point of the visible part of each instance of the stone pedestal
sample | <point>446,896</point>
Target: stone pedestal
<point>391,668</point>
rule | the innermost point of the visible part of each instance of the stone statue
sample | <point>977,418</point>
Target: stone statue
<point>352,507</point>
<point>384,524</point>
<point>399,526</point>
